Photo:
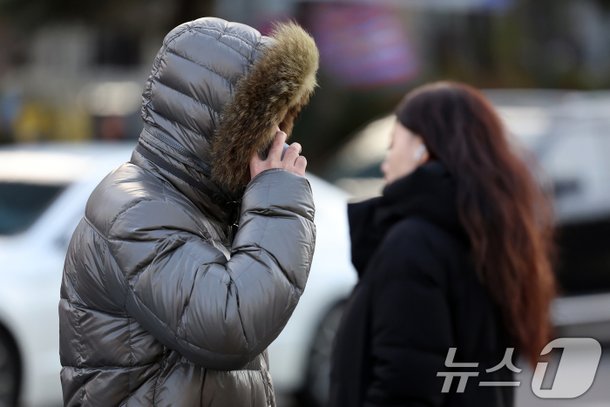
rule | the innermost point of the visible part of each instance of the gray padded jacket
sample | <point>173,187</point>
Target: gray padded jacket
<point>164,300</point>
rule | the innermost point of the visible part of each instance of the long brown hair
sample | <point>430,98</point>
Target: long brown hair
<point>506,215</point>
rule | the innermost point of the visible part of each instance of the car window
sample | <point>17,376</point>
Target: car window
<point>583,261</point>
<point>22,203</point>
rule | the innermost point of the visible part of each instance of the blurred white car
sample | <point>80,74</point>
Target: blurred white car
<point>43,191</point>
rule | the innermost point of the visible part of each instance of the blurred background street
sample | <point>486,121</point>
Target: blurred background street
<point>71,78</point>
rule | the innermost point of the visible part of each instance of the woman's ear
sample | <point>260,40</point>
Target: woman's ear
<point>421,154</point>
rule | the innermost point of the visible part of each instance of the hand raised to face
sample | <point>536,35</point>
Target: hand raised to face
<point>289,160</point>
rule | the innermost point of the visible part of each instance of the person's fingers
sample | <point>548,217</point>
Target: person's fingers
<point>280,156</point>
<point>300,165</point>
<point>255,159</point>
<point>275,152</point>
<point>291,154</point>
<point>256,165</point>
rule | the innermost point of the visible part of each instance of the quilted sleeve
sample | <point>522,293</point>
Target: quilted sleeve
<point>216,312</point>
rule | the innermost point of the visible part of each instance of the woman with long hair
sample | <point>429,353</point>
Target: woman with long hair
<point>454,263</point>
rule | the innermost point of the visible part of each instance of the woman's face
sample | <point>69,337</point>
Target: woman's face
<point>405,154</point>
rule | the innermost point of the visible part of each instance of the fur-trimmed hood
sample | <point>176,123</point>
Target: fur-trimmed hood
<point>218,90</point>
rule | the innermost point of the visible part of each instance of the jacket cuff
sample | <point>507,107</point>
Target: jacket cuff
<point>279,189</point>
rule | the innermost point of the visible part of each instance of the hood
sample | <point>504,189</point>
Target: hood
<point>216,93</point>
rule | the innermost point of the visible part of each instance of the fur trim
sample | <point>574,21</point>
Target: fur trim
<point>277,87</point>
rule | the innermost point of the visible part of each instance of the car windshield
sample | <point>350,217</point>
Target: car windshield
<point>21,203</point>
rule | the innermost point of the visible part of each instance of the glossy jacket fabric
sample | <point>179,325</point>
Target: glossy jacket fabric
<point>418,295</point>
<point>164,301</point>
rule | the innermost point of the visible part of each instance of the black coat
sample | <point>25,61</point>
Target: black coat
<point>417,296</point>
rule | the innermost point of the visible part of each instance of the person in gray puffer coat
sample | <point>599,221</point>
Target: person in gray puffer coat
<point>192,256</point>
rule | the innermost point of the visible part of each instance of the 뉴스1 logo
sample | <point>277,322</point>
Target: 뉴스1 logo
<point>576,369</point>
